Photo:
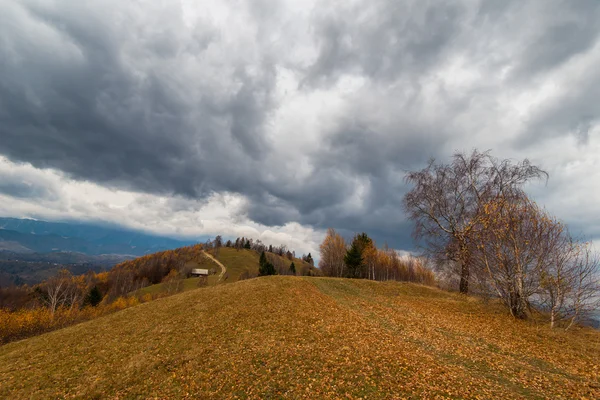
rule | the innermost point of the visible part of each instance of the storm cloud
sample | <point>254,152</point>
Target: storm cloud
<point>306,114</point>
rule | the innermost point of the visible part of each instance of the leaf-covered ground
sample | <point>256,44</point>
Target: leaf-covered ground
<point>287,337</point>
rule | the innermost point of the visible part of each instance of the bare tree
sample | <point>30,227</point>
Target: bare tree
<point>61,290</point>
<point>122,282</point>
<point>513,247</point>
<point>447,198</point>
<point>173,282</point>
<point>530,261</point>
<point>570,283</point>
<point>218,243</point>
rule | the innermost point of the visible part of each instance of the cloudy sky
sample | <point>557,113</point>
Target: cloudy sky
<point>278,119</point>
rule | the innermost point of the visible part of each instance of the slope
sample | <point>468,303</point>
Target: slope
<point>239,263</point>
<point>311,338</point>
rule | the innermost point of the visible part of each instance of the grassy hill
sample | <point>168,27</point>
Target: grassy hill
<point>237,263</point>
<point>308,338</point>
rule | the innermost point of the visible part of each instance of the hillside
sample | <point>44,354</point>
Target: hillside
<point>305,338</point>
<point>240,263</point>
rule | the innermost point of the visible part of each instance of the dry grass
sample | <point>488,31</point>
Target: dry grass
<point>236,261</point>
<point>310,338</point>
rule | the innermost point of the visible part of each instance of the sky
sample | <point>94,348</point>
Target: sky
<point>278,119</point>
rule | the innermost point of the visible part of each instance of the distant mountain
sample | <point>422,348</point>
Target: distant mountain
<point>31,268</point>
<point>27,235</point>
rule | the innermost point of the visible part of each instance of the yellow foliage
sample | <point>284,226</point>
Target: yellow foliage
<point>146,298</point>
<point>29,322</point>
<point>120,303</point>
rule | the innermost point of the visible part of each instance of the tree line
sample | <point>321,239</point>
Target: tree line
<point>474,218</point>
<point>362,259</point>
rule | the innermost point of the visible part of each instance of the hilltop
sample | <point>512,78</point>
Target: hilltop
<point>240,264</point>
<point>303,337</point>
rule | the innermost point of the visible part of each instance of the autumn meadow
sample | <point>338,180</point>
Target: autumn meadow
<point>497,304</point>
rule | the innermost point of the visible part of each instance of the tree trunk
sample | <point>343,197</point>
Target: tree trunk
<point>465,272</point>
<point>464,278</point>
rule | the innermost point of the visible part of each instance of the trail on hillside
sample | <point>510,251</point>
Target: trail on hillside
<point>219,263</point>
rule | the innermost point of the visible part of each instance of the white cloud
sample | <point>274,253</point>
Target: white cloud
<point>220,214</point>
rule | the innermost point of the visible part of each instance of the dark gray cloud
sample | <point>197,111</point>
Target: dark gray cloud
<point>163,100</point>
<point>383,39</point>
<point>93,115</point>
<point>563,30</point>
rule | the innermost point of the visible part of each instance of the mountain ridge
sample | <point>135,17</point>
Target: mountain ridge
<point>44,237</point>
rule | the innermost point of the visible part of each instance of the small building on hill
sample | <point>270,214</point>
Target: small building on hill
<point>199,272</point>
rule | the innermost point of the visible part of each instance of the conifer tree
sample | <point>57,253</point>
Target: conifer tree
<point>354,258</point>
<point>264,266</point>
<point>94,297</point>
<point>293,268</point>
<point>309,259</point>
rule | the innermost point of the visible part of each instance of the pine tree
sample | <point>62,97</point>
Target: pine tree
<point>293,268</point>
<point>354,258</point>
<point>264,266</point>
<point>94,297</point>
<point>353,261</point>
<point>310,260</point>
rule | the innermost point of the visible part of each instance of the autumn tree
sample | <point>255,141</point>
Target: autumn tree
<point>512,248</point>
<point>61,290</point>
<point>531,261</point>
<point>570,281</point>
<point>333,250</point>
<point>371,259</point>
<point>173,282</point>
<point>447,198</point>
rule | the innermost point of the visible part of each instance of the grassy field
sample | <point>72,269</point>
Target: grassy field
<point>295,337</point>
<point>238,261</point>
<point>189,283</point>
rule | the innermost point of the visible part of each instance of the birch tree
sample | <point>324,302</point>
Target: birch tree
<point>333,250</point>
<point>447,198</point>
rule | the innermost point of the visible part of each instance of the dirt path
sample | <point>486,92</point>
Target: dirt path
<point>223,268</point>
